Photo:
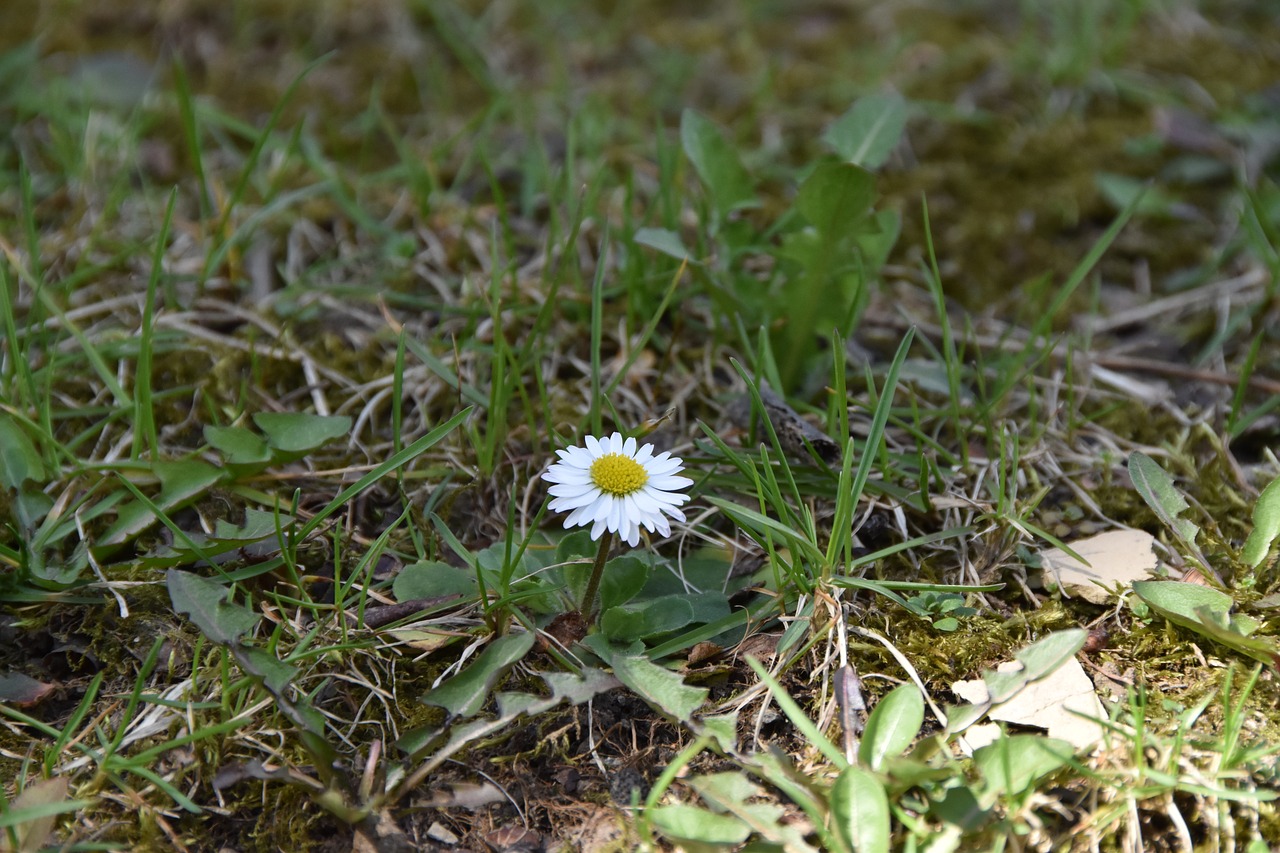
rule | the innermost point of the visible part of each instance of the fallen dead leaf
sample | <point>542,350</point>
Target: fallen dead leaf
<point>1064,704</point>
<point>1115,558</point>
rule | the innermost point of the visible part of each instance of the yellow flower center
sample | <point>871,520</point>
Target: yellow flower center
<point>618,475</point>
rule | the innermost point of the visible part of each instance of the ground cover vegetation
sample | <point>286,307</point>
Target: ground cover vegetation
<point>500,426</point>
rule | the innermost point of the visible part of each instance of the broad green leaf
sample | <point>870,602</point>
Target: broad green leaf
<point>1185,604</point>
<point>237,445</point>
<point>732,791</point>
<point>665,241</point>
<point>19,460</point>
<point>662,689</point>
<point>464,694</point>
<point>1146,198</point>
<point>836,197</point>
<point>623,579</point>
<point>1158,490</point>
<point>638,620</point>
<point>275,673</point>
<point>1045,655</point>
<point>1013,763</point>
<point>181,481</point>
<point>723,728</point>
<point>1038,660</point>
<point>432,579</point>
<point>877,237</point>
<point>690,823</point>
<point>1266,525</point>
<point>869,131</point>
<point>860,810</point>
<point>575,546</point>
<point>1207,612</point>
<point>301,432</point>
<point>258,526</point>
<point>716,163</point>
<point>892,726</point>
<point>206,602</point>
<point>726,789</point>
<point>960,808</point>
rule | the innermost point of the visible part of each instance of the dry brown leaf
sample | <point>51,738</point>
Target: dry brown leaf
<point>1055,703</point>
<point>1115,558</point>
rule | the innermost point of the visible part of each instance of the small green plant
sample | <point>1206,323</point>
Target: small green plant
<point>1208,612</point>
<point>828,248</point>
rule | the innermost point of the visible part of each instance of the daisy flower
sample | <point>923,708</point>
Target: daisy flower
<point>612,485</point>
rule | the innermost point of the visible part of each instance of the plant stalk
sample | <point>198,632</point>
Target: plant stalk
<point>597,571</point>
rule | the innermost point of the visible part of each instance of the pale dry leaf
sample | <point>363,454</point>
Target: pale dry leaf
<point>1116,558</point>
<point>1064,704</point>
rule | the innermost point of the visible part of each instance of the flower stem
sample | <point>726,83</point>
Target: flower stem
<point>597,571</point>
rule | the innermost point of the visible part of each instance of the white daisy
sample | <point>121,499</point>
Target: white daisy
<point>612,486</point>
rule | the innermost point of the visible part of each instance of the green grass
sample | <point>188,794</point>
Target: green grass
<point>294,320</point>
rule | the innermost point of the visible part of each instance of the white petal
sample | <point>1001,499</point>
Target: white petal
<point>629,447</point>
<point>593,446</point>
<point>644,454</point>
<point>660,522</point>
<point>596,530</point>
<point>669,484</point>
<point>644,503</point>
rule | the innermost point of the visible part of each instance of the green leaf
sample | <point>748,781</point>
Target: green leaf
<point>638,620</point>
<point>464,694</point>
<point>258,526</point>
<point>1207,612</point>
<point>723,728</point>
<point>892,726</point>
<point>206,602</point>
<point>623,579</point>
<point>836,197</point>
<point>716,163</point>
<point>1013,763</point>
<point>237,445</point>
<point>662,689</point>
<point>1039,659</point>
<point>665,241</point>
<point>432,579</point>
<point>690,823</point>
<point>1266,525</point>
<point>19,460</point>
<point>275,673</point>
<point>860,810</point>
<point>301,432</point>
<point>181,482</point>
<point>869,131</point>
<point>1158,490</point>
<point>1146,198</point>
